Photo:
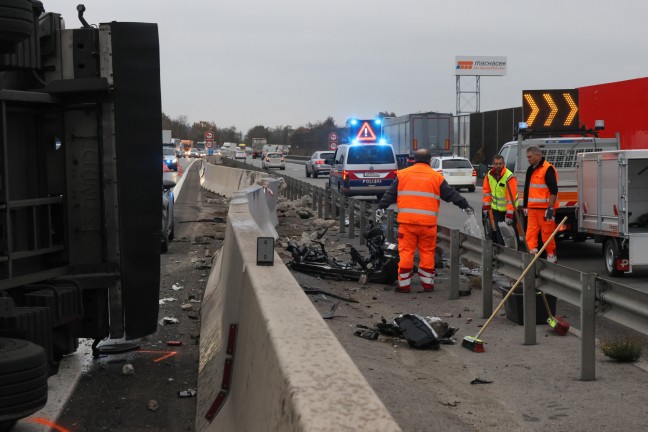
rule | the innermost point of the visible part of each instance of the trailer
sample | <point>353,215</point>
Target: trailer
<point>412,132</point>
<point>613,206</point>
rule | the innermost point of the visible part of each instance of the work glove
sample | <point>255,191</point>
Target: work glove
<point>549,214</point>
<point>469,211</point>
<point>525,211</point>
<point>380,214</point>
<point>485,210</point>
<point>509,219</point>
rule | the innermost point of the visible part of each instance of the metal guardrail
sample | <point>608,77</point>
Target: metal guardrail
<point>594,295</point>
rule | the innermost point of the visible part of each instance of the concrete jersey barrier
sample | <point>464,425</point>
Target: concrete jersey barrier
<point>288,371</point>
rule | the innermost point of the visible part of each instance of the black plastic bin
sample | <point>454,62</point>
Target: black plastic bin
<point>514,306</point>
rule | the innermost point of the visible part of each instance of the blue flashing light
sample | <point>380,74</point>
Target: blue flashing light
<point>522,125</point>
<point>354,122</point>
<point>382,141</point>
<point>355,141</point>
<point>377,121</point>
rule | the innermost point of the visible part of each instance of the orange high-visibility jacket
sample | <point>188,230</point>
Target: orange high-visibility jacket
<point>419,195</point>
<point>538,189</point>
<point>496,193</point>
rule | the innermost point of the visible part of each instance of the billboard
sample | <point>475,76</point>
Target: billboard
<point>473,66</point>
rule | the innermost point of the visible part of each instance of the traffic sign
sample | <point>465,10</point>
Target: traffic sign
<point>332,145</point>
<point>333,136</point>
<point>209,143</point>
<point>366,133</point>
<point>551,109</point>
<point>209,135</point>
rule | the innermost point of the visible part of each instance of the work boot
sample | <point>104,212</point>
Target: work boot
<point>400,289</point>
<point>552,258</point>
<point>533,251</point>
<point>427,287</point>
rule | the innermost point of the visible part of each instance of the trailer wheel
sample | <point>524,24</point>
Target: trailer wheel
<point>16,22</point>
<point>610,255</point>
<point>23,379</point>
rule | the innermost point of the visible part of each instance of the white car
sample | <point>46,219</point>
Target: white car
<point>458,171</point>
<point>240,154</point>
<point>273,160</point>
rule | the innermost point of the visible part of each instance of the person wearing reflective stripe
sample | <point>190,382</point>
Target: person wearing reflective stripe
<point>418,191</point>
<point>540,192</point>
<point>496,197</point>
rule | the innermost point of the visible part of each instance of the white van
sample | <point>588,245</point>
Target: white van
<point>363,169</point>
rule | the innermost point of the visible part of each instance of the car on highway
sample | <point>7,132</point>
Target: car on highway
<point>168,228</point>
<point>362,169</point>
<point>170,158</point>
<point>202,153</point>
<point>273,160</point>
<point>457,171</point>
<point>194,153</point>
<point>240,154</point>
<point>317,165</point>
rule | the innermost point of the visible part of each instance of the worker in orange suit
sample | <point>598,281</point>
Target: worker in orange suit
<point>418,191</point>
<point>540,192</point>
<point>498,186</point>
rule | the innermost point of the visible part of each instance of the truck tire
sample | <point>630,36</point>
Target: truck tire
<point>23,379</point>
<point>16,22</point>
<point>610,255</point>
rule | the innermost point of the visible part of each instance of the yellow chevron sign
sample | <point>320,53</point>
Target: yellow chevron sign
<point>551,109</point>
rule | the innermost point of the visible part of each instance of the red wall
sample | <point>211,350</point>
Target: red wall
<point>624,107</point>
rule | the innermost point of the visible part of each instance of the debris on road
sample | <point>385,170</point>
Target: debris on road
<point>176,287</point>
<point>174,343</point>
<point>186,307</point>
<point>480,381</point>
<point>167,299</point>
<point>187,393</point>
<point>128,369</point>
<point>169,320</point>
<point>366,332</point>
<point>152,405</point>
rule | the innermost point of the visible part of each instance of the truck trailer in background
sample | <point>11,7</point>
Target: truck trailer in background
<point>412,132</point>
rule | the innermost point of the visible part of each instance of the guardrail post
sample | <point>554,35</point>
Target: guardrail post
<point>313,192</point>
<point>363,221</point>
<point>327,203</point>
<point>352,218</point>
<point>319,202</point>
<point>292,189</point>
<point>588,332</point>
<point>487,278</point>
<point>455,263</point>
<point>529,301</point>
<point>390,224</point>
<point>342,214</point>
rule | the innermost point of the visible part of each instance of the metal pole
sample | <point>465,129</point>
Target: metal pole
<point>363,221</point>
<point>352,218</point>
<point>342,214</point>
<point>390,224</point>
<point>588,332</point>
<point>487,278</point>
<point>529,300</point>
<point>319,202</point>
<point>327,203</point>
<point>454,264</point>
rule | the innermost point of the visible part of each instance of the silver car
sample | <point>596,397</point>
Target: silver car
<point>316,165</point>
<point>273,160</point>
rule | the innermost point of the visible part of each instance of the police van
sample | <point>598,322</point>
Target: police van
<point>362,169</point>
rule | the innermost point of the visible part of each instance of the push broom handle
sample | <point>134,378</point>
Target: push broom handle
<point>535,258</point>
<point>521,226</point>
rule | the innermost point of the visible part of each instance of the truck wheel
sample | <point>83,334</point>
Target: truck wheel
<point>16,23</point>
<point>23,379</point>
<point>610,255</point>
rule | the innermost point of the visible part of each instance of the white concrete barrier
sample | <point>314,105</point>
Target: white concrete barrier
<point>286,370</point>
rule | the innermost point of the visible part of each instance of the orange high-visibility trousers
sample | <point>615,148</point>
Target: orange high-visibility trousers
<point>536,223</point>
<point>410,237</point>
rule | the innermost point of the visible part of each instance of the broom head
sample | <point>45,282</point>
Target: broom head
<point>473,344</point>
<point>559,324</point>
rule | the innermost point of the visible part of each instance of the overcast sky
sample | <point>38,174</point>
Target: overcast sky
<point>289,62</point>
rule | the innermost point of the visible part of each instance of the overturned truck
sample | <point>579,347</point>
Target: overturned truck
<point>79,215</point>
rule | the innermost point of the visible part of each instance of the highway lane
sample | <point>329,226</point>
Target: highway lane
<point>585,257</point>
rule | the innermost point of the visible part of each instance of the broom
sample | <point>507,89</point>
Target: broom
<point>474,343</point>
<point>558,324</point>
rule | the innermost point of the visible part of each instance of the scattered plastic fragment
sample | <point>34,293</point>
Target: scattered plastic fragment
<point>480,381</point>
<point>187,393</point>
<point>128,369</point>
<point>152,405</point>
<point>174,343</point>
<point>167,299</point>
<point>176,287</point>
<point>169,320</point>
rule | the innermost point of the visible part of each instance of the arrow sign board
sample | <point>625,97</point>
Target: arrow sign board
<point>551,110</point>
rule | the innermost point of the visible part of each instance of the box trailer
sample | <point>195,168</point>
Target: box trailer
<point>613,206</point>
<point>411,132</point>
